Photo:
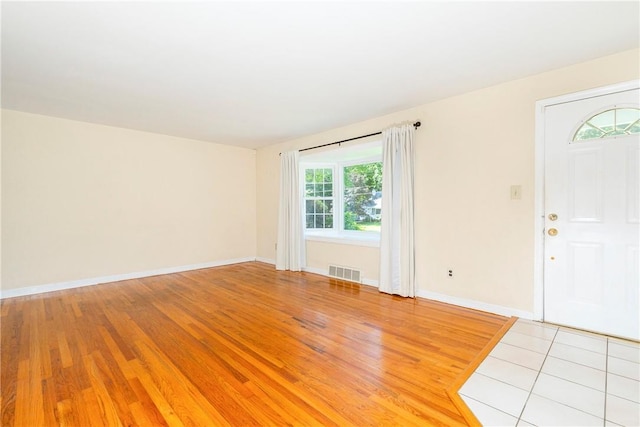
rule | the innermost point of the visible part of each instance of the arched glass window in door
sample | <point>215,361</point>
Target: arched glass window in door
<point>609,123</point>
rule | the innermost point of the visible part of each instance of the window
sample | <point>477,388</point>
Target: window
<point>362,196</point>
<point>609,123</point>
<point>343,193</point>
<point>318,194</point>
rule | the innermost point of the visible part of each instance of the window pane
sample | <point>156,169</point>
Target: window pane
<point>626,116</point>
<point>309,206</point>
<point>362,196</point>
<point>587,132</point>
<point>328,175</point>
<point>329,203</point>
<point>308,190</point>
<point>310,221</point>
<point>603,120</point>
<point>328,190</point>
<point>308,175</point>
<point>328,221</point>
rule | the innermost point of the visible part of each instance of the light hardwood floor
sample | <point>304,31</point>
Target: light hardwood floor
<point>236,345</point>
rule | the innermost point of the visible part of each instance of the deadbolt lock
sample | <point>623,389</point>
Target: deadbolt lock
<point>553,232</point>
<point>553,217</point>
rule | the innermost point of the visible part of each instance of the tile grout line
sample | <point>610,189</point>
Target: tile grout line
<point>487,405</point>
<point>579,348</point>
<point>572,381</point>
<point>561,343</point>
<point>537,376</point>
<point>514,363</point>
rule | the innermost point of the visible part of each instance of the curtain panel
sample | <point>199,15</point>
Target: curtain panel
<point>397,257</point>
<point>290,247</point>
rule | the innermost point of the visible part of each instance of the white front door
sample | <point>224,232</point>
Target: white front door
<point>592,210</point>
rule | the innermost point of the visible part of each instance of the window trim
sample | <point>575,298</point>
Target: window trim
<point>371,241</point>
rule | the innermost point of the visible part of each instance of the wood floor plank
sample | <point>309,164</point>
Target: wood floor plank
<point>236,345</point>
<point>145,409</point>
<point>91,406</point>
<point>107,406</point>
<point>181,394</point>
<point>64,413</point>
<point>156,396</point>
<point>22,416</point>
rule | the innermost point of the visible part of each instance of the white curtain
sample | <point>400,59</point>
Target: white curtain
<point>289,252</point>
<point>397,260</point>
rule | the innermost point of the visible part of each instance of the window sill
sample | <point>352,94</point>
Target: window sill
<point>370,240</point>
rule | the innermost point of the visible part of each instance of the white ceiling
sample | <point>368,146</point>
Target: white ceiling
<point>257,73</point>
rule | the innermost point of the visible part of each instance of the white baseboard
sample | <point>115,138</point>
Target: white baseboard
<point>476,305</point>
<point>461,302</point>
<point>32,290</point>
<point>316,271</point>
<point>319,271</point>
<point>369,282</point>
<point>51,287</point>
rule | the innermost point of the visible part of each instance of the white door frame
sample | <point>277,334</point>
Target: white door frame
<point>539,212</point>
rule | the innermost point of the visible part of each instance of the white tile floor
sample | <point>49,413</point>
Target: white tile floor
<point>544,375</point>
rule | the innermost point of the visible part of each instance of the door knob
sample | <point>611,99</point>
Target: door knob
<point>553,217</point>
<point>553,232</point>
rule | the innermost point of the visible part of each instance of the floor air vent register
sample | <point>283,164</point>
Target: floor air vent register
<point>345,273</point>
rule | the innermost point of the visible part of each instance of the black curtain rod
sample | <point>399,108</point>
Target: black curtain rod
<point>415,125</point>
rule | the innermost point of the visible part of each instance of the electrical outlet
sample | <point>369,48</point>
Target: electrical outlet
<point>516,192</point>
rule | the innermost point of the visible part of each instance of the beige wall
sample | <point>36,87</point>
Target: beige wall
<point>469,151</point>
<point>82,200</point>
